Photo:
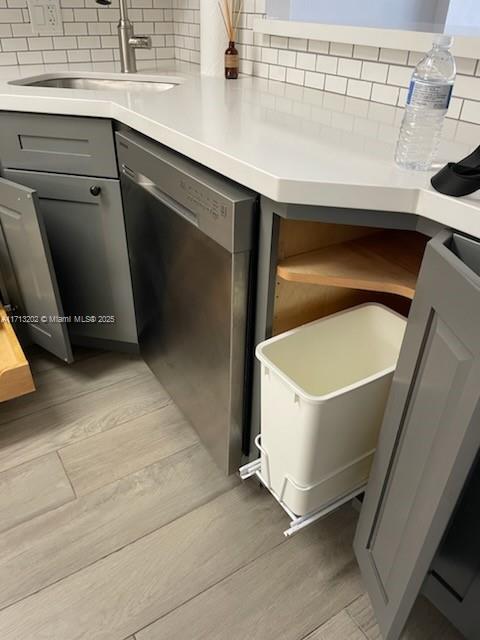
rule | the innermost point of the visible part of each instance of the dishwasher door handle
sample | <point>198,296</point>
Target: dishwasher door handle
<point>147,184</point>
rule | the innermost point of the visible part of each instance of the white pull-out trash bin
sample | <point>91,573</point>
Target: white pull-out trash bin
<point>324,388</point>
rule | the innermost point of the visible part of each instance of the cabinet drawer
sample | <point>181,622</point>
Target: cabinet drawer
<point>60,144</point>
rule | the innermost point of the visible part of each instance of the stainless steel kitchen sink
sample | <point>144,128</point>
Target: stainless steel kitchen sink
<point>111,82</point>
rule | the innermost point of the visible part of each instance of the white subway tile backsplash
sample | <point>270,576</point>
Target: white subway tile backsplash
<point>341,49</point>
<point>295,76</point>
<point>402,97</point>
<point>454,109</point>
<point>394,56</point>
<point>15,44</point>
<point>359,89</point>
<point>465,65</point>
<point>54,57</point>
<point>374,71</point>
<point>362,73</point>
<point>89,42</point>
<point>269,55</point>
<point>260,69</point>
<point>467,87</point>
<point>85,15</point>
<point>17,4</point>
<point>64,42</point>
<point>78,55</point>
<point>277,73</point>
<point>349,67</point>
<point>18,30</point>
<point>103,28</point>
<point>399,76</point>
<point>365,52</point>
<point>75,28</point>
<point>298,44</point>
<point>279,42</point>
<point>318,46</point>
<point>471,111</point>
<point>327,64</point>
<point>414,58</point>
<point>315,80</point>
<point>8,58</point>
<point>336,84</point>
<point>27,57</point>
<point>385,93</point>
<point>11,15</point>
<point>40,43</point>
<point>306,61</point>
<point>287,58</point>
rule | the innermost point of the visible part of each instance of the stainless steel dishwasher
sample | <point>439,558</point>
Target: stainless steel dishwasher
<point>190,235</point>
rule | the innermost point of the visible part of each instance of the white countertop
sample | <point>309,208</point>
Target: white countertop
<point>289,143</point>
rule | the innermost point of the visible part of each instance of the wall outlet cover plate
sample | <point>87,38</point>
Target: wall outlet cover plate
<point>45,16</point>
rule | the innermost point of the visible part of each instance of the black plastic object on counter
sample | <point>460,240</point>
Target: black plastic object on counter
<point>459,178</point>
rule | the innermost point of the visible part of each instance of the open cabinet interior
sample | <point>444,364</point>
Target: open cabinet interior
<point>323,268</point>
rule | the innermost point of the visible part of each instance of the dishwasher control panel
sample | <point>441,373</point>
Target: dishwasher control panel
<point>219,207</point>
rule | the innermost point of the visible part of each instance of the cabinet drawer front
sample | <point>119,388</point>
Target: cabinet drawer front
<point>61,144</point>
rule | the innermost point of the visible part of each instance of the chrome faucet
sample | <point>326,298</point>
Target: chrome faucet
<point>128,41</point>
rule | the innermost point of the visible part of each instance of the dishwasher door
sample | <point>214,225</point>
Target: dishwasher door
<point>192,306</point>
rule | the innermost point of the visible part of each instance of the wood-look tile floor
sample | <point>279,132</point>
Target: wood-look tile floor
<point>116,525</point>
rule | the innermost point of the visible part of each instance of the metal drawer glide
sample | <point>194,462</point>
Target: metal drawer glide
<point>297,523</point>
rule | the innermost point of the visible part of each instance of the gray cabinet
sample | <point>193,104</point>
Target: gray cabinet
<point>430,435</point>
<point>27,270</point>
<point>86,232</point>
<point>61,144</point>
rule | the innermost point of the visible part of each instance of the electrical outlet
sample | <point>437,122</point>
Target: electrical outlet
<point>45,16</point>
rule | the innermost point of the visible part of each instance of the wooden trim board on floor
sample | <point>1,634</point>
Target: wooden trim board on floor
<point>15,375</point>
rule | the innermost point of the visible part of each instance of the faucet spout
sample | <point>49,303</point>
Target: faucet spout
<point>127,40</point>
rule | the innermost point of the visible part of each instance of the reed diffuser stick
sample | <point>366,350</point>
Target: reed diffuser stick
<point>231,10</point>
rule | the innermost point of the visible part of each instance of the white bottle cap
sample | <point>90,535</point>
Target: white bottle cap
<point>443,40</point>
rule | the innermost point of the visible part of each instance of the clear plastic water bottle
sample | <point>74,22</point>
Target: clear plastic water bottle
<point>427,103</point>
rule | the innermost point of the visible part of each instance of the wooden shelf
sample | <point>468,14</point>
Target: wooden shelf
<point>15,376</point>
<point>387,261</point>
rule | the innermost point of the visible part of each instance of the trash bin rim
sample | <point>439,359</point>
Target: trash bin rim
<point>320,399</point>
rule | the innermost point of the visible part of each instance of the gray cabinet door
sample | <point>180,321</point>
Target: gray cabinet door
<point>27,269</point>
<point>87,238</point>
<point>430,435</point>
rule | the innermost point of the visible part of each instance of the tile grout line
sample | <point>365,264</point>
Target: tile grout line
<point>66,474</point>
<point>353,619</point>
<point>217,582</point>
<point>56,404</point>
<point>344,608</point>
<point>88,493</point>
<point>120,424</point>
<point>167,403</point>
<point>148,533</point>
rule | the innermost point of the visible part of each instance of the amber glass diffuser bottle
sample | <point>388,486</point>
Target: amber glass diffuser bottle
<point>231,10</point>
<point>231,62</point>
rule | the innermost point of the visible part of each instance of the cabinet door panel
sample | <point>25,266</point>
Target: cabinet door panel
<point>429,438</point>
<point>60,144</point>
<point>27,267</point>
<point>89,250</point>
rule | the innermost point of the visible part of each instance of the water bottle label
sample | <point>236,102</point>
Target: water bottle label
<point>433,96</point>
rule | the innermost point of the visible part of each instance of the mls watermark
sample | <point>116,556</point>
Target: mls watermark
<point>49,319</point>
